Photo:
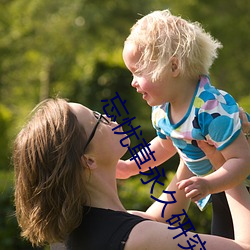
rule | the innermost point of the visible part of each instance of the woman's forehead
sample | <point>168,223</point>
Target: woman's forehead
<point>78,108</point>
<point>84,115</point>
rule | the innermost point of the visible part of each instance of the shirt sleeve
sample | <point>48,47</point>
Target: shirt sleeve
<point>159,121</point>
<point>219,120</point>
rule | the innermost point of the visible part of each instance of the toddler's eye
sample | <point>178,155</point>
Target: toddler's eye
<point>137,74</point>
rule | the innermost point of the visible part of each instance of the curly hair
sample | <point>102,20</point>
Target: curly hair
<point>49,180</point>
<point>160,36</point>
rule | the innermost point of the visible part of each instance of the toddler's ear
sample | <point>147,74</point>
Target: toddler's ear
<point>175,66</point>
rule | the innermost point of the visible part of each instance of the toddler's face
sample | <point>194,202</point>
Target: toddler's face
<point>152,92</point>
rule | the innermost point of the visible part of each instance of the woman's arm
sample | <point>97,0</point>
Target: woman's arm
<point>245,124</point>
<point>239,203</point>
<point>154,212</point>
<point>181,201</point>
<point>160,236</point>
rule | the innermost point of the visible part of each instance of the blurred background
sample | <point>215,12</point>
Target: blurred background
<point>72,48</point>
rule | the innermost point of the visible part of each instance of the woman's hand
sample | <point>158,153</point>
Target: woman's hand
<point>245,124</point>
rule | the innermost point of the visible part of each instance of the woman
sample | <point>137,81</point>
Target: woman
<point>65,188</point>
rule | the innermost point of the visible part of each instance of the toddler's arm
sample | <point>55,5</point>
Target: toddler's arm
<point>164,150</point>
<point>234,171</point>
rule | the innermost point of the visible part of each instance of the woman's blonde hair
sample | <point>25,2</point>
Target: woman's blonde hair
<point>49,181</point>
<point>160,36</point>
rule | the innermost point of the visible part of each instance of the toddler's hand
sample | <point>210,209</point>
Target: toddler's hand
<point>194,187</point>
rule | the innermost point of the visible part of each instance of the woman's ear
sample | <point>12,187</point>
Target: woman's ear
<point>90,161</point>
<point>175,66</point>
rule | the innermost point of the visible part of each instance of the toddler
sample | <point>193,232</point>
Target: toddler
<point>170,59</point>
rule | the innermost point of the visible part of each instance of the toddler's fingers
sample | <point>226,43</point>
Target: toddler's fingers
<point>193,194</point>
<point>184,183</point>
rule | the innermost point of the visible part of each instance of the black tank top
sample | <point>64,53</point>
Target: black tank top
<point>102,229</point>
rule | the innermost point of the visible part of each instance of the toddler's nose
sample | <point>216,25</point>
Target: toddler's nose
<point>134,83</point>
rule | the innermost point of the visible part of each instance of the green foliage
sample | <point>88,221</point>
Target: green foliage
<point>134,195</point>
<point>245,103</point>
<point>5,124</point>
<point>230,71</point>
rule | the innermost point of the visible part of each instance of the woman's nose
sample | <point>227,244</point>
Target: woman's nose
<point>108,118</point>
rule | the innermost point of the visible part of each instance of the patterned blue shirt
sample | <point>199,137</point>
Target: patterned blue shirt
<point>213,115</point>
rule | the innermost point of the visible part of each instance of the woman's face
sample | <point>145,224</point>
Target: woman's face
<point>104,143</point>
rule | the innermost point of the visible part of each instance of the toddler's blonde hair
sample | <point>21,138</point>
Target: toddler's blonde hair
<point>161,36</point>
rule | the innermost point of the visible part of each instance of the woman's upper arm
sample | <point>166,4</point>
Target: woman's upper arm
<point>171,193</point>
<point>151,235</point>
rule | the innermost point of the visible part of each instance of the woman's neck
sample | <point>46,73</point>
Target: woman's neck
<point>102,189</point>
